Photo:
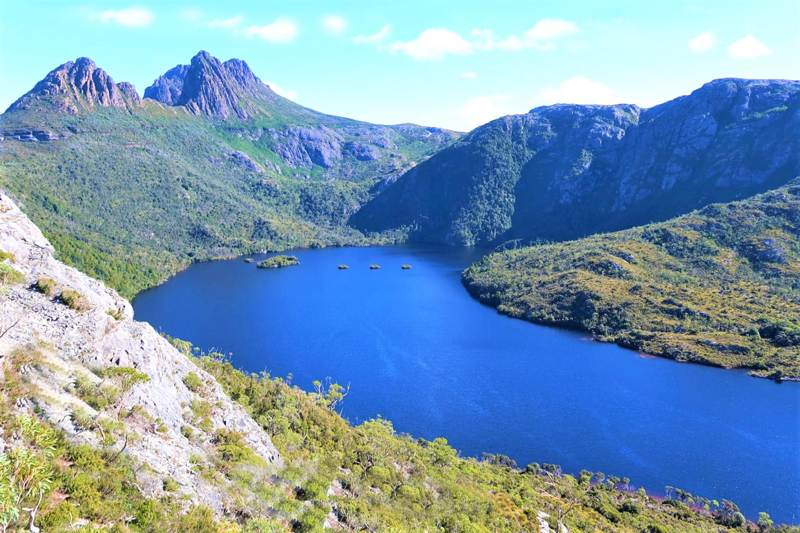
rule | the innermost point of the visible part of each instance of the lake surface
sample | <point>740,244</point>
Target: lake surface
<point>418,350</point>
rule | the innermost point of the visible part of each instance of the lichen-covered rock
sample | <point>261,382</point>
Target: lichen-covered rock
<point>105,335</point>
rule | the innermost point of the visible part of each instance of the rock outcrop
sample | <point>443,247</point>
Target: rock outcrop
<point>79,85</point>
<point>75,343</point>
<point>210,87</point>
<point>167,88</point>
<point>565,171</point>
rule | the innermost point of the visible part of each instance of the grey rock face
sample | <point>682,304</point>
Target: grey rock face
<point>79,85</point>
<point>242,160</point>
<point>301,147</point>
<point>221,90</point>
<point>80,341</point>
<point>566,171</point>
<point>167,88</point>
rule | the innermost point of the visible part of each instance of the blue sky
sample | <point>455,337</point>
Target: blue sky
<point>454,64</point>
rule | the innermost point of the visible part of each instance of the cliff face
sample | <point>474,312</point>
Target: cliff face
<point>80,345</point>
<point>565,171</point>
<point>167,88</point>
<point>79,85</point>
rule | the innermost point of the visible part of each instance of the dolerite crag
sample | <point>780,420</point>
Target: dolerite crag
<point>79,85</point>
<point>565,171</point>
<point>168,87</point>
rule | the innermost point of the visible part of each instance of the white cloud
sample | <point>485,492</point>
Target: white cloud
<point>748,47</point>
<point>375,38</point>
<point>282,30</point>
<point>233,22</point>
<point>469,75</point>
<point>703,42</point>
<point>191,14</point>
<point>283,91</point>
<point>334,25</point>
<point>480,110</point>
<point>577,90</point>
<point>549,29</point>
<point>132,17</point>
<point>433,44</point>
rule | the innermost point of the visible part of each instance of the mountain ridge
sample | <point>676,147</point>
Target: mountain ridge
<point>564,171</point>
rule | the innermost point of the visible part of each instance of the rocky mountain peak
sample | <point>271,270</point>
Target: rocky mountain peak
<point>79,85</point>
<point>210,87</point>
<point>168,87</point>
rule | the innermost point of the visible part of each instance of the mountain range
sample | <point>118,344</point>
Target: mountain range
<point>566,171</point>
<point>213,163</point>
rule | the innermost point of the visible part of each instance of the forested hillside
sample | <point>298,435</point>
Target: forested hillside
<point>132,190</point>
<point>567,171</point>
<point>720,286</point>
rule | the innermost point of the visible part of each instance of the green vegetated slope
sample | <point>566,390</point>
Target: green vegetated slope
<point>132,190</point>
<point>720,286</point>
<point>362,478</point>
<point>567,171</point>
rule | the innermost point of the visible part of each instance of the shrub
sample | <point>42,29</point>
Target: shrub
<point>74,300</point>
<point>116,314</point>
<point>193,382</point>
<point>9,275</point>
<point>45,286</point>
<point>7,255</point>
<point>630,507</point>
<point>170,485</point>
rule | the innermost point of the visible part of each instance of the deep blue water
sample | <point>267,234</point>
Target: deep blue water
<point>418,350</point>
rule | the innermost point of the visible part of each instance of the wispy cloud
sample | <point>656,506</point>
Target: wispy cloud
<point>334,24</point>
<point>132,17</point>
<point>283,91</point>
<point>703,42</point>
<point>233,22</point>
<point>469,75</point>
<point>375,38</point>
<point>577,90</point>
<point>748,47</point>
<point>283,30</point>
<point>434,44</point>
<point>549,29</point>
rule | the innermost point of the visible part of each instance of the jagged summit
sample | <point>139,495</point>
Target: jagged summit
<point>79,85</point>
<point>167,88</point>
<point>210,87</point>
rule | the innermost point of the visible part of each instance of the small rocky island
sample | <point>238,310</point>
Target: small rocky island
<point>278,261</point>
<point>406,267</point>
<point>343,267</point>
<point>374,267</point>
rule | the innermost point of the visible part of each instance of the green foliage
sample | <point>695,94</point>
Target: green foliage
<point>45,286</point>
<point>393,482</point>
<point>718,286</point>
<point>193,382</point>
<point>74,300</point>
<point>132,197</point>
<point>9,275</point>
<point>278,261</point>
<point>7,256</point>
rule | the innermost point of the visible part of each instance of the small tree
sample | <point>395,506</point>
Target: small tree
<point>328,394</point>
<point>764,521</point>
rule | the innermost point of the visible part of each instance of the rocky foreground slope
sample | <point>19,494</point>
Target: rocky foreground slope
<point>60,342</point>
